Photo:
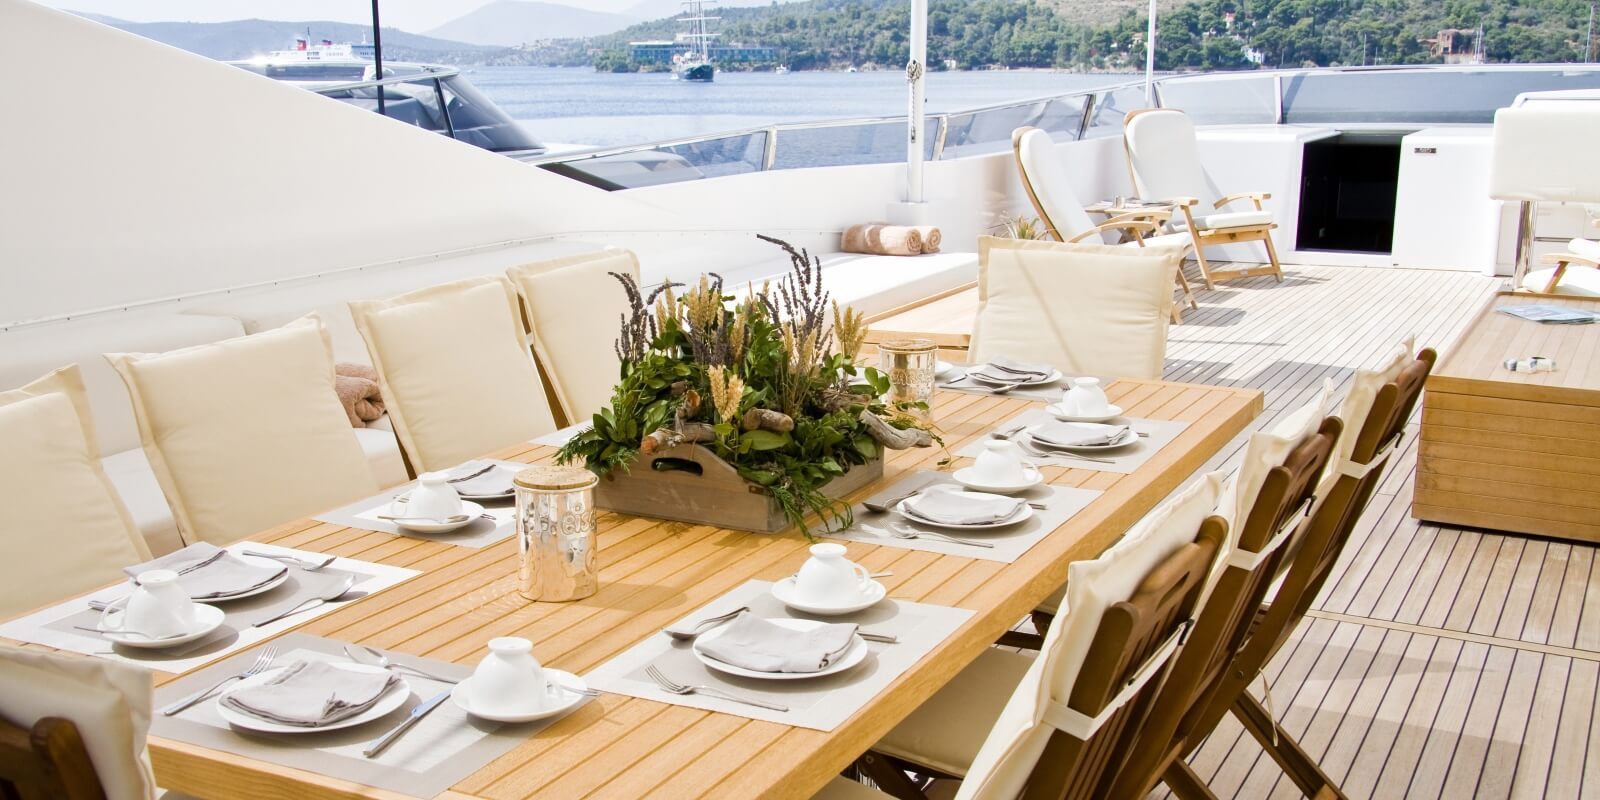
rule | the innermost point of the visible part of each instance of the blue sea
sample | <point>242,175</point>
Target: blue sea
<point>579,105</point>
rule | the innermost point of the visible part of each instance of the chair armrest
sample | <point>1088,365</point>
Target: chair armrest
<point>1255,197</point>
<point>1139,228</point>
<point>1179,201</point>
<point>1569,258</point>
<point>1153,215</point>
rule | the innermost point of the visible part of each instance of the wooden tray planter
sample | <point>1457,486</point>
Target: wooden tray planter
<point>715,496</point>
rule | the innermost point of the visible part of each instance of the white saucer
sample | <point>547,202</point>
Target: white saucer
<point>1112,412</point>
<point>1022,515</point>
<point>394,698</point>
<point>942,369</point>
<point>1055,375</point>
<point>784,591</point>
<point>1128,438</point>
<point>851,657</point>
<point>562,700</point>
<point>206,620</point>
<point>471,509</point>
<point>1032,477</point>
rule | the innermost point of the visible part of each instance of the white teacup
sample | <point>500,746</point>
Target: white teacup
<point>1086,398</point>
<point>509,677</point>
<point>433,498</point>
<point>828,577</point>
<point>157,608</point>
<point>1000,463</point>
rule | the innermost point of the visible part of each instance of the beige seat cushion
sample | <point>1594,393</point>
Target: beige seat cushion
<point>573,309</point>
<point>1089,309</point>
<point>1232,219</point>
<point>136,484</point>
<point>247,433</point>
<point>64,530</point>
<point>1580,280</point>
<point>948,729</point>
<point>107,701</point>
<point>457,374</point>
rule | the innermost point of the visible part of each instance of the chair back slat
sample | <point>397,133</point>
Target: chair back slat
<point>46,762</point>
<point>1225,621</point>
<point>1130,635</point>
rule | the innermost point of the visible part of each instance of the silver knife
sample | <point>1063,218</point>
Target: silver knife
<point>378,745</point>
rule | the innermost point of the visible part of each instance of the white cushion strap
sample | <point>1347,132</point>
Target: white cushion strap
<point>1248,561</point>
<point>1081,726</point>
<point>1354,469</point>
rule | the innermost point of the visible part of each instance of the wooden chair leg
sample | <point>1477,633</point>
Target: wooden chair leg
<point>1180,778</point>
<point>889,777</point>
<point>1298,765</point>
<point>1205,269</point>
<point>1020,640</point>
<point>1188,293</point>
<point>1272,256</point>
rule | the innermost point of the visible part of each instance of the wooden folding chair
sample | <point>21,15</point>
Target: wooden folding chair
<point>1319,550</point>
<point>46,762</point>
<point>1126,663</point>
<point>1155,751</point>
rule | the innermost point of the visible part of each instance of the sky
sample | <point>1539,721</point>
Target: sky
<point>410,15</point>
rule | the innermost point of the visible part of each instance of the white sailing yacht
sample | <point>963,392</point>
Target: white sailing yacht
<point>695,64</point>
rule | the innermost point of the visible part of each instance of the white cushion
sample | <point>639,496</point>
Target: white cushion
<point>1048,181</point>
<point>1002,765</point>
<point>136,484</point>
<point>1585,247</point>
<point>867,283</point>
<point>842,788</point>
<point>1580,280</point>
<point>383,455</point>
<point>1234,219</point>
<point>574,309</point>
<point>1164,156</point>
<point>456,370</point>
<point>949,728</point>
<point>1364,386</point>
<point>1545,151</point>
<point>64,530</point>
<point>31,351</point>
<point>1089,309</point>
<point>247,433</point>
<point>108,702</point>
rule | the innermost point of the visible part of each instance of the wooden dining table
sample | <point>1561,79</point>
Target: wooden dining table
<point>654,572</point>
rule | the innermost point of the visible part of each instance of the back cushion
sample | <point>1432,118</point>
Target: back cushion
<point>1047,177</point>
<point>1089,309</point>
<point>574,309</point>
<point>457,373</point>
<point>64,530</point>
<point>1164,156</point>
<point>247,433</point>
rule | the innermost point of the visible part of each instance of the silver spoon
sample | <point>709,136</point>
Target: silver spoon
<point>130,633</point>
<point>378,658</point>
<point>704,625</point>
<point>329,595</point>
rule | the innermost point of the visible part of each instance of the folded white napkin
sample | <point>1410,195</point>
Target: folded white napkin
<point>205,570</point>
<point>947,505</point>
<point>1077,434</point>
<point>753,643</point>
<point>311,694</point>
<point>495,482</point>
<point>1004,369</point>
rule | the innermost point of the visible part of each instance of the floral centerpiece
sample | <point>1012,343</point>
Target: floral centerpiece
<point>767,382</point>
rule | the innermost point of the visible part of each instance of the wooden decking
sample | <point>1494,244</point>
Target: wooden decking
<point>1440,662</point>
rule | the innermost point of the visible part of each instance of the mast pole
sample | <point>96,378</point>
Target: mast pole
<point>916,119</point>
<point>377,54</point>
<point>1588,37</point>
<point>1149,59</point>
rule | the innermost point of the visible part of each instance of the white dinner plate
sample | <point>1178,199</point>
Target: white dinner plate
<point>1055,375</point>
<point>471,509</point>
<point>394,698</point>
<point>851,657</point>
<point>206,619</point>
<point>1022,515</point>
<point>561,701</point>
<point>1112,412</point>
<point>1129,437</point>
<point>1031,477</point>
<point>785,592</point>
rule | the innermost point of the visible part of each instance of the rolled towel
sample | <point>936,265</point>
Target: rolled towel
<point>879,239</point>
<point>357,387</point>
<point>931,238</point>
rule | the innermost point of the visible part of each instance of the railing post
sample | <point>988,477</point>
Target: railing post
<point>770,155</point>
<point>938,141</point>
<point>1277,98</point>
<point>1088,113</point>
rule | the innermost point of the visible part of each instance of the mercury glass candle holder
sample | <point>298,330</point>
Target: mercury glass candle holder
<point>910,365</point>
<point>555,533</point>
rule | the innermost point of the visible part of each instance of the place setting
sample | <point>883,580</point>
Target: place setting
<point>472,505</point>
<point>994,509</point>
<point>808,650</point>
<point>1000,376</point>
<point>203,602</point>
<point>404,723</point>
<point>1083,430</point>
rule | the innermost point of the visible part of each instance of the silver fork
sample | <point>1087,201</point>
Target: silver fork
<point>308,566</point>
<point>262,663</point>
<point>673,687</point>
<point>939,536</point>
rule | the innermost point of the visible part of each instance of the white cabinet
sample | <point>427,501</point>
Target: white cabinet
<point>1444,217</point>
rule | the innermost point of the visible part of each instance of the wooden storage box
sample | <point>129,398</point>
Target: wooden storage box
<point>1515,451</point>
<point>715,496</point>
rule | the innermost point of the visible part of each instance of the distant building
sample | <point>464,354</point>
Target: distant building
<point>662,52</point>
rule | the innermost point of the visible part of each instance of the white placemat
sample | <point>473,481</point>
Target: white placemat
<point>957,381</point>
<point>1123,460</point>
<point>1009,543</point>
<point>479,533</point>
<point>54,626</point>
<point>445,747</point>
<point>820,703</point>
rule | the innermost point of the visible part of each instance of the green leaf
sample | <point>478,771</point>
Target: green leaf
<point>866,446</point>
<point>764,440</point>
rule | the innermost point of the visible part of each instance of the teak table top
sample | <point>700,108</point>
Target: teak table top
<point>1476,364</point>
<point>653,572</point>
